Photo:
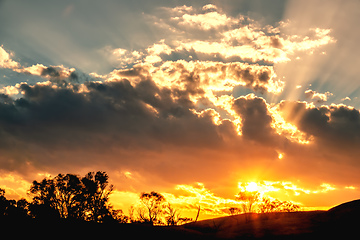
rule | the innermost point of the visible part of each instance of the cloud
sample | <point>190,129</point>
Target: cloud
<point>52,72</point>
<point>146,115</point>
<point>316,37</point>
<point>15,186</point>
<point>120,57</point>
<point>346,99</point>
<point>190,197</point>
<point>6,61</point>
<point>210,7</point>
<point>283,188</point>
<point>158,132</point>
<point>205,21</point>
<point>252,43</point>
<point>210,34</point>
<point>173,106</point>
<point>256,119</point>
<point>140,116</point>
<point>336,125</point>
<point>200,76</point>
<point>155,50</point>
<point>317,97</point>
<point>10,90</point>
<point>179,9</point>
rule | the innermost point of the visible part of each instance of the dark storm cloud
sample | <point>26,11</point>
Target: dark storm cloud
<point>114,114</point>
<point>335,126</point>
<point>142,126</point>
<point>253,79</point>
<point>256,119</point>
<point>50,71</point>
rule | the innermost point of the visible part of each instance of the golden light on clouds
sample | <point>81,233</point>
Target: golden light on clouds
<point>287,129</point>
<point>187,198</point>
<point>282,188</point>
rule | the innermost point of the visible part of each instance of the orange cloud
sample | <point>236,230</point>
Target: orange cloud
<point>188,198</point>
<point>15,185</point>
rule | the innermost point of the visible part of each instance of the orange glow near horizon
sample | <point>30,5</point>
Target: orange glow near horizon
<point>187,198</point>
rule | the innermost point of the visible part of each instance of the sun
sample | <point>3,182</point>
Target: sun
<point>251,187</point>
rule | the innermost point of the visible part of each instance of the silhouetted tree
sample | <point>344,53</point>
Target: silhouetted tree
<point>155,210</point>
<point>248,200</point>
<point>43,212</point>
<point>234,211</point>
<point>173,217</point>
<point>85,198</point>
<point>197,215</point>
<point>60,193</point>
<point>4,204</point>
<point>18,209</point>
<point>118,216</point>
<point>132,217</point>
<point>12,208</point>
<point>153,204</point>
<point>96,195</point>
<point>23,206</point>
<point>268,205</point>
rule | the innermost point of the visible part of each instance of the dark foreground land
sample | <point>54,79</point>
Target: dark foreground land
<point>341,222</point>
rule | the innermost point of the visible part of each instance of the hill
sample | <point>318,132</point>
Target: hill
<point>340,222</point>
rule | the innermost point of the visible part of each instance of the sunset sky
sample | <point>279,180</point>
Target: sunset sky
<point>193,99</point>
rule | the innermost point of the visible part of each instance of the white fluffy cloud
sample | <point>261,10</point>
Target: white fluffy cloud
<point>6,61</point>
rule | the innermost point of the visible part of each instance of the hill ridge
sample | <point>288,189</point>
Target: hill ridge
<point>339,221</point>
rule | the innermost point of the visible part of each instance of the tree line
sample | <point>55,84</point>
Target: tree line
<point>252,202</point>
<point>87,198</point>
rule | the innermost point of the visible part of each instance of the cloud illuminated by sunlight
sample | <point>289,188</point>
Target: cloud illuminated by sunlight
<point>15,186</point>
<point>282,187</point>
<point>6,61</point>
<point>290,131</point>
<point>187,198</point>
<point>205,21</point>
<point>190,197</point>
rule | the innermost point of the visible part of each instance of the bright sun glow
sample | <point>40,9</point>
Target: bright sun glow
<point>248,187</point>
<point>252,187</point>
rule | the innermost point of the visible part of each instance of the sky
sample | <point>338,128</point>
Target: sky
<point>192,99</point>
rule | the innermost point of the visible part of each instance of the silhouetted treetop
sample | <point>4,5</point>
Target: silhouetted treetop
<point>73,197</point>
<point>12,208</point>
<point>154,204</point>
